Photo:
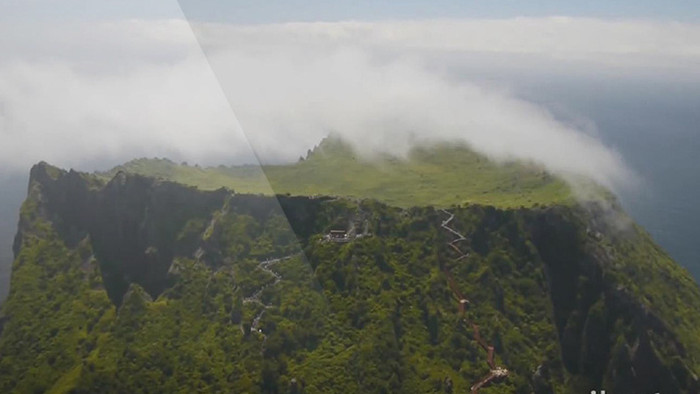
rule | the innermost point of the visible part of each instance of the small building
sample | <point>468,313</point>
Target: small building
<point>345,235</point>
<point>336,235</point>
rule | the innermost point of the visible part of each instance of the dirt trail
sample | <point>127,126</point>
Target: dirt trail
<point>496,373</point>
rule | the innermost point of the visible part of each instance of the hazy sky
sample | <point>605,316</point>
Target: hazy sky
<point>86,83</point>
<point>314,10</point>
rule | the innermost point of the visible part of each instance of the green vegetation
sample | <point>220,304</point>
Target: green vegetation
<point>439,176</point>
<point>373,315</point>
<point>140,285</point>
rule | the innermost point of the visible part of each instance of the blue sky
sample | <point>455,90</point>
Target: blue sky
<point>305,10</point>
<point>315,10</point>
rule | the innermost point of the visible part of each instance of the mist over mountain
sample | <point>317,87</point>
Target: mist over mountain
<point>163,99</point>
<point>144,88</point>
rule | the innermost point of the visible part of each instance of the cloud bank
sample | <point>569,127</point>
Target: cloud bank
<point>130,89</point>
<point>144,88</point>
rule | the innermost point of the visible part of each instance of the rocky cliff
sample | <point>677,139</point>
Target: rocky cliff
<point>138,284</point>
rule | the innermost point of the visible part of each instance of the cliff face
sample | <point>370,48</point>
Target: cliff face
<point>131,223</point>
<point>624,313</point>
<point>144,284</point>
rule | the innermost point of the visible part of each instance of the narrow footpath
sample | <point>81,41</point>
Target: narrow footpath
<point>255,298</point>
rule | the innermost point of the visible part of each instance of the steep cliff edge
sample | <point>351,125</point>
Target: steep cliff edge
<point>132,222</point>
<point>626,315</point>
<point>136,283</point>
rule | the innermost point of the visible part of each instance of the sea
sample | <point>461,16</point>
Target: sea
<point>655,126</point>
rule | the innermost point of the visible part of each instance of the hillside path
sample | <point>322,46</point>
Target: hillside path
<point>496,373</point>
<point>265,265</point>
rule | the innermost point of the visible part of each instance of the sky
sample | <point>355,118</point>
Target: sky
<point>92,84</point>
<point>232,82</point>
<point>307,11</point>
<point>274,11</point>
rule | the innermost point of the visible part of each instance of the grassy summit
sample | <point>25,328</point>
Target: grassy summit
<point>440,175</point>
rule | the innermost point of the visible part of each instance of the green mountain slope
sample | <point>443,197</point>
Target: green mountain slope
<point>438,176</point>
<point>143,285</point>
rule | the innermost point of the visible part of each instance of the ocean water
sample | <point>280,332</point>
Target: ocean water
<point>655,126</point>
<point>661,143</point>
<point>14,190</point>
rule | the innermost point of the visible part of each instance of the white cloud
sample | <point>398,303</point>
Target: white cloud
<point>130,89</point>
<point>378,87</point>
<point>135,88</point>
<point>577,42</point>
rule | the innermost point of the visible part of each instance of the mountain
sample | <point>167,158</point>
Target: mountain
<point>130,283</point>
<point>441,175</point>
